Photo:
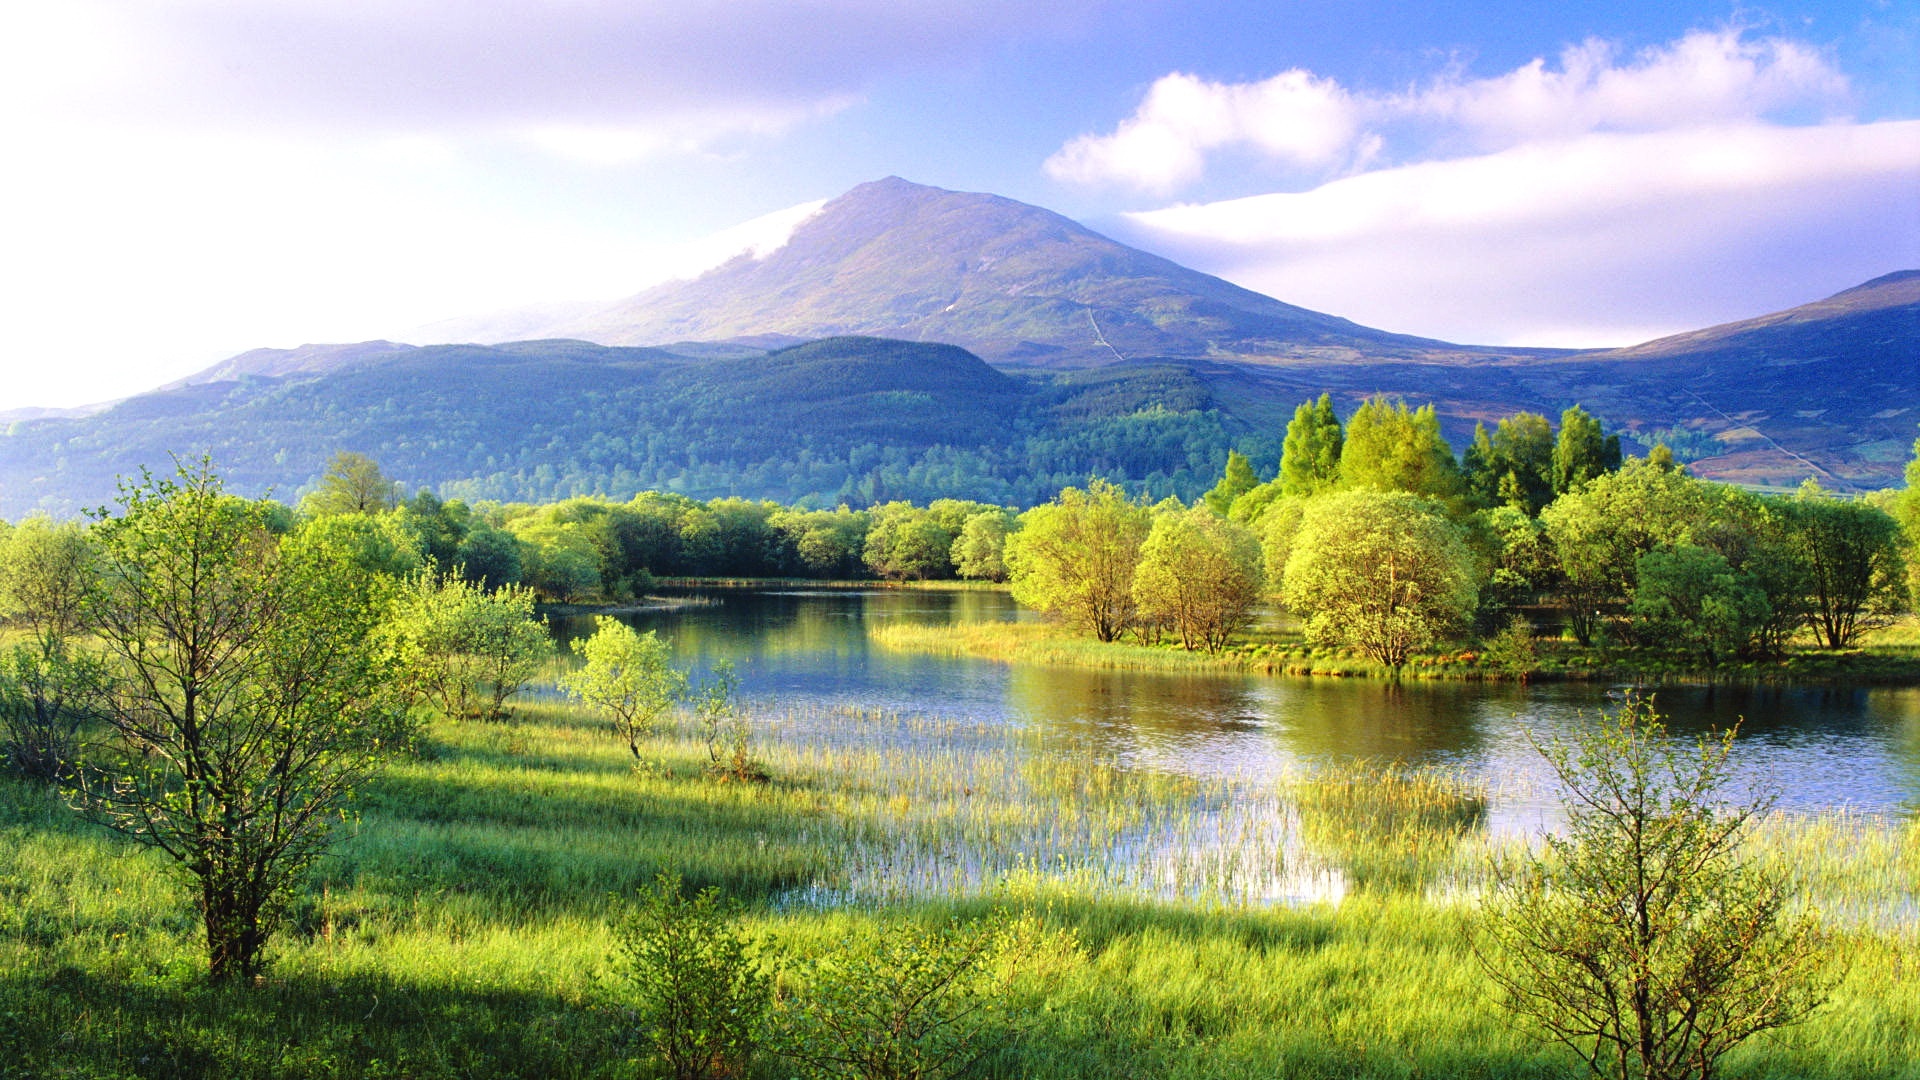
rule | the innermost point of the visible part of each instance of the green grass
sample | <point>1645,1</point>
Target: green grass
<point>461,928</point>
<point>1886,656</point>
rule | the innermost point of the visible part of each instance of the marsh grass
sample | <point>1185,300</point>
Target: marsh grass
<point>461,926</point>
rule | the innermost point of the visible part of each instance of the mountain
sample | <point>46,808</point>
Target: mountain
<point>1012,283</point>
<point>908,342</point>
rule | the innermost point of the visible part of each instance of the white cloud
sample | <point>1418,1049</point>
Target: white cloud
<point>1597,239</point>
<point>1298,119</point>
<point>1292,117</point>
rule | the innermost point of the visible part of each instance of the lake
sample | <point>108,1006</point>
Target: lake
<point>1815,748</point>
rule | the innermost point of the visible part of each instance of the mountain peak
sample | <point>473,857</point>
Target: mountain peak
<point>1005,280</point>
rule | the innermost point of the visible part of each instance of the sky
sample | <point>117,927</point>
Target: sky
<point>188,179</point>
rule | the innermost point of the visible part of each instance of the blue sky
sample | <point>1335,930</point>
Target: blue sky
<point>192,178</point>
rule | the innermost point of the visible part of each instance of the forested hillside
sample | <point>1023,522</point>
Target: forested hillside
<point>852,419</point>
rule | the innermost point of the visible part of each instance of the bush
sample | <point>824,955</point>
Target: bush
<point>917,1003</point>
<point>699,993</point>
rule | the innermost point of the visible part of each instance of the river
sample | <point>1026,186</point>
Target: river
<point>1813,748</point>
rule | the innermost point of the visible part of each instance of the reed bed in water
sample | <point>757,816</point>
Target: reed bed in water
<point>460,929</point>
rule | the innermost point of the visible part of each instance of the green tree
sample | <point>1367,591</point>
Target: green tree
<point>245,700</point>
<point>906,541</point>
<point>1688,598</point>
<point>352,484</point>
<point>1514,465</point>
<point>463,648</point>
<point>1073,558</point>
<point>1310,454</point>
<point>981,549</point>
<point>699,994</point>
<point>1383,571</point>
<point>1641,937</point>
<point>1853,567</point>
<point>1600,531</point>
<point>626,676</point>
<point>827,543</point>
<point>1235,481</point>
<point>1582,452</point>
<point>48,687</point>
<point>1200,574</point>
<point>1391,448</point>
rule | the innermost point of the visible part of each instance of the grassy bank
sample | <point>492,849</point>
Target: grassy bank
<point>461,928</point>
<point>1887,657</point>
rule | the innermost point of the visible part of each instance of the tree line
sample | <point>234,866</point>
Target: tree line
<point>1378,537</point>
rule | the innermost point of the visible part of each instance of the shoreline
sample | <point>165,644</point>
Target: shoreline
<point>1050,645</point>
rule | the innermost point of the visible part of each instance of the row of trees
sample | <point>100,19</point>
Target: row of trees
<point>212,677</point>
<point>1376,536</point>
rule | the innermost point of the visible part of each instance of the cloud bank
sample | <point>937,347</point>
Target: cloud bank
<point>1598,200</point>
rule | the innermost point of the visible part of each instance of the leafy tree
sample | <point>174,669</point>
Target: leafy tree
<point>378,545</point>
<point>463,648</point>
<point>1600,531</point>
<point>1279,527</point>
<point>699,994</point>
<point>1641,937</point>
<point>1074,557</point>
<point>980,551</point>
<point>1514,465</point>
<point>1582,452</point>
<point>562,560</point>
<point>1517,553</point>
<point>1310,454</point>
<point>1384,571</point>
<point>1391,448</point>
<point>1690,599</point>
<point>627,676</point>
<point>906,541</point>
<point>827,543</point>
<point>490,558</point>
<point>1200,574</point>
<point>352,484</point>
<point>48,687</point>
<point>245,700</point>
<point>1852,560</point>
<point>1237,480</point>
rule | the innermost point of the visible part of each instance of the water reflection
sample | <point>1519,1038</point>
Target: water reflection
<point>1818,747</point>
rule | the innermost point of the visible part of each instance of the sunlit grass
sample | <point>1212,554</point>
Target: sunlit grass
<point>1307,925</point>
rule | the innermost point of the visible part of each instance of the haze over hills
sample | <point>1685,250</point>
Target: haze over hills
<point>1110,361</point>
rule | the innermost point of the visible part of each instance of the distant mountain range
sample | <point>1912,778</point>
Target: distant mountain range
<point>848,364</point>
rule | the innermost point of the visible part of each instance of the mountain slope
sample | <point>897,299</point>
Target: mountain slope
<point>1010,282</point>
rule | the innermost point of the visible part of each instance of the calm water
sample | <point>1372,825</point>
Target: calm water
<point>1816,748</point>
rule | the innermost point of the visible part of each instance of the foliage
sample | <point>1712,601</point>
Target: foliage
<point>1582,452</point>
<point>352,484</point>
<point>1643,938</point>
<point>1391,448</point>
<point>627,677</point>
<point>980,550</point>
<point>1600,531</point>
<point>244,700</point>
<point>1384,571</point>
<point>1310,454</point>
<point>906,541</point>
<point>699,993</point>
<point>1688,598</point>
<point>1514,650</point>
<point>1235,481</point>
<point>1199,574</point>
<point>914,1003</point>
<point>1514,466</point>
<point>725,726</point>
<point>48,690</point>
<point>1074,557</point>
<point>1851,553</point>
<point>48,685</point>
<point>463,648</point>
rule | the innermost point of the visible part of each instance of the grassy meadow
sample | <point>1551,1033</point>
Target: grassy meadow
<point>1317,925</point>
